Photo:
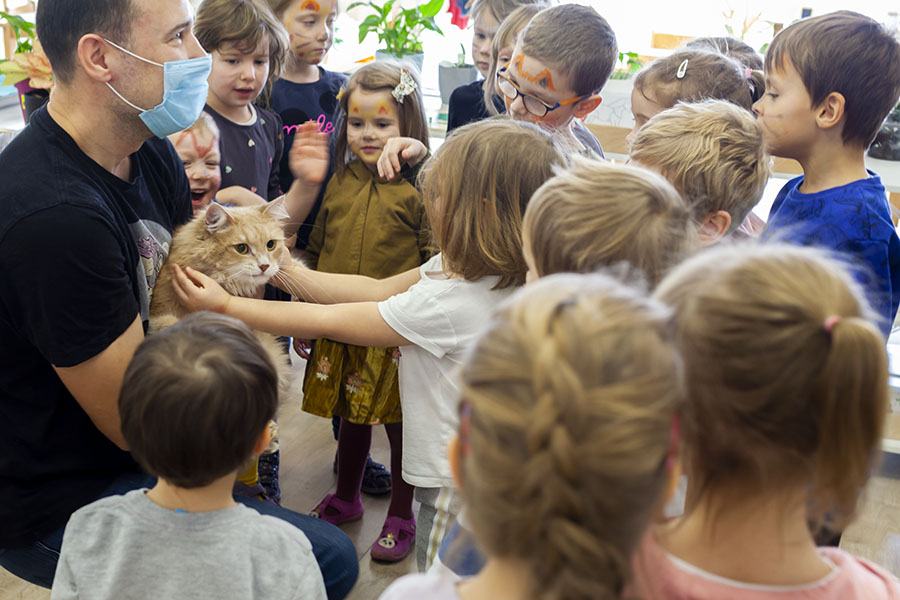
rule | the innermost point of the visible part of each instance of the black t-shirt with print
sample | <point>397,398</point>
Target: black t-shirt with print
<point>80,250</point>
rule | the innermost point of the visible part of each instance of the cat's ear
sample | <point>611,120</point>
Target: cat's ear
<point>217,218</point>
<point>276,209</point>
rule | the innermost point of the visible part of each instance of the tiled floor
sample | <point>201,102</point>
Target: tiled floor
<point>307,449</point>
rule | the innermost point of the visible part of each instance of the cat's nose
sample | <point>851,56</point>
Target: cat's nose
<point>263,268</point>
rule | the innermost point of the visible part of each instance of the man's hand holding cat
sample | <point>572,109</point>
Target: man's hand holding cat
<point>198,292</point>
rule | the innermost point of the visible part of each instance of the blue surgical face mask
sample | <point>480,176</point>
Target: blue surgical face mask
<point>184,94</point>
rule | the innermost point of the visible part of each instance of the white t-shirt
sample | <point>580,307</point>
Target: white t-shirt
<point>442,317</point>
<point>420,585</point>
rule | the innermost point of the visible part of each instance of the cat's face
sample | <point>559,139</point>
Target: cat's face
<point>248,244</point>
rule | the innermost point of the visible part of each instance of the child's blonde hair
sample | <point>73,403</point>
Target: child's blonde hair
<point>786,375</point>
<point>476,189</point>
<point>597,213</point>
<point>244,22</point>
<point>565,428</point>
<point>731,47</point>
<point>712,152</point>
<point>382,75</point>
<point>508,31</point>
<point>501,9</point>
<point>705,75</point>
<point>205,125</point>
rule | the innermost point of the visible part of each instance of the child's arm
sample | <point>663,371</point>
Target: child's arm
<point>397,151</point>
<point>357,323</point>
<point>336,288</point>
<point>308,159</point>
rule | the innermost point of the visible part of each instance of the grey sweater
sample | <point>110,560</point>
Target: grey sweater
<point>128,547</point>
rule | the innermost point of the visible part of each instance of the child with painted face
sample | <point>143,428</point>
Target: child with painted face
<point>476,189</point>
<point>305,91</point>
<point>198,148</point>
<point>467,102</point>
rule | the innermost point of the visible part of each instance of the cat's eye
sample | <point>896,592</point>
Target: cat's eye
<point>270,244</point>
<point>241,248</point>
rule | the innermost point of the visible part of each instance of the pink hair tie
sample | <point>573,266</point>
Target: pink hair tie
<point>748,73</point>
<point>830,322</point>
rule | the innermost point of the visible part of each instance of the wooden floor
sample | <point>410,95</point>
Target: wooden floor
<point>307,452</point>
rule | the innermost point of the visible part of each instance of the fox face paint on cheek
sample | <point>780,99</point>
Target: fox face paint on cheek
<point>544,78</point>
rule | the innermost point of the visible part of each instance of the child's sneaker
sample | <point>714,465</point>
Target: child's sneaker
<point>268,474</point>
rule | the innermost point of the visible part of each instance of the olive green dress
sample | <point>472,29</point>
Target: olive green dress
<point>366,226</point>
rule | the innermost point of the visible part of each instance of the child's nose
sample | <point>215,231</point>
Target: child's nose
<point>517,107</point>
<point>323,33</point>
<point>197,172</point>
<point>757,107</point>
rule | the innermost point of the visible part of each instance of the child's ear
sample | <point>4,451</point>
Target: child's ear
<point>263,442</point>
<point>453,455</point>
<point>830,111</point>
<point>587,106</point>
<point>714,227</point>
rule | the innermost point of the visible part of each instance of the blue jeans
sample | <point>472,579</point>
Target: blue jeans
<point>334,551</point>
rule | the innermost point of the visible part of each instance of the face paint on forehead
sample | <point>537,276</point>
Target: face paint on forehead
<point>382,109</point>
<point>310,5</point>
<point>544,78</point>
<point>202,149</point>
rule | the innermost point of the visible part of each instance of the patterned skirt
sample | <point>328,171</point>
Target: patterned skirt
<point>356,383</point>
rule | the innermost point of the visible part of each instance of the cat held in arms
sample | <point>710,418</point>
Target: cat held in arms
<point>243,249</point>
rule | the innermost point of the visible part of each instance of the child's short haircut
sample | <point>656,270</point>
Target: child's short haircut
<point>575,41</point>
<point>848,53</point>
<point>476,188</point>
<point>205,125</point>
<point>597,214</point>
<point>244,22</point>
<point>509,29</point>
<point>375,77</point>
<point>196,398</point>
<point>501,8</point>
<point>712,152</point>
<point>706,75</point>
<point>565,429</point>
<point>731,47</point>
<point>787,379</point>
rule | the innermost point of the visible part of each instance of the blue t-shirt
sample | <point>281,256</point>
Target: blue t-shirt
<point>853,219</point>
<point>297,103</point>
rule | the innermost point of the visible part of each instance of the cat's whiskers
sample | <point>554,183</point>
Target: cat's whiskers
<point>291,280</point>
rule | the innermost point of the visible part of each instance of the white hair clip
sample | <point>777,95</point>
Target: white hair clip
<point>681,69</point>
<point>406,86</point>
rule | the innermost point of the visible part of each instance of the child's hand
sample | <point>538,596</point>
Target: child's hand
<point>239,196</point>
<point>196,291</point>
<point>397,151</point>
<point>310,154</point>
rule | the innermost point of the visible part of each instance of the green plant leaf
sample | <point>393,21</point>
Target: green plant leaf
<point>431,8</point>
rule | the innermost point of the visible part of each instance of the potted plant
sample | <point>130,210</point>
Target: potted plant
<point>28,70</point>
<point>452,75</point>
<point>399,29</point>
<point>887,141</point>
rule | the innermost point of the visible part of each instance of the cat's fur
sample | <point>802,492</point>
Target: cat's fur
<point>210,243</point>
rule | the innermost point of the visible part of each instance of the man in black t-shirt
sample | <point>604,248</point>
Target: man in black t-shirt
<point>90,200</point>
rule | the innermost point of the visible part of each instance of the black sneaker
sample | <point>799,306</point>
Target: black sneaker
<point>376,479</point>
<point>268,474</point>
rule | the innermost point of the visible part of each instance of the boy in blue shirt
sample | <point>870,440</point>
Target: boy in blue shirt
<point>830,82</point>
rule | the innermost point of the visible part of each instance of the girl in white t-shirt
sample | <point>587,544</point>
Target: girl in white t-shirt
<point>475,191</point>
<point>787,394</point>
<point>564,441</point>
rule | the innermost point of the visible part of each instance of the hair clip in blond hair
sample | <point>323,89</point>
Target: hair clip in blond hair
<point>681,69</point>
<point>406,86</point>
<point>340,94</point>
<point>830,322</point>
<point>748,72</point>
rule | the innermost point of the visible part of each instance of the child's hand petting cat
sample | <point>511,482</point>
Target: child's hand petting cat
<point>399,150</point>
<point>310,154</point>
<point>197,292</point>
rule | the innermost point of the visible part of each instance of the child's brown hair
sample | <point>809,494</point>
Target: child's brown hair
<point>375,77</point>
<point>565,431</point>
<point>508,31</point>
<point>476,189</point>
<point>731,47</point>
<point>786,375</point>
<point>574,40</point>
<point>847,53</point>
<point>196,398</point>
<point>712,152</point>
<point>596,214</point>
<point>694,75</point>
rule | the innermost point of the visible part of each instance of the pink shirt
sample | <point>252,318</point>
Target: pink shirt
<point>658,575</point>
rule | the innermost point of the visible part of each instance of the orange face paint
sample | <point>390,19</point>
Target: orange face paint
<point>201,149</point>
<point>383,109</point>
<point>311,5</point>
<point>544,78</point>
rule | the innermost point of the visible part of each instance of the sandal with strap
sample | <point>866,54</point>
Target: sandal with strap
<point>397,537</point>
<point>376,479</point>
<point>343,511</point>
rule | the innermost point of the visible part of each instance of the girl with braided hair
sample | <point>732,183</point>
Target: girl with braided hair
<point>787,393</point>
<point>564,441</point>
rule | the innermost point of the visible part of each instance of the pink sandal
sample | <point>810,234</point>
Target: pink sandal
<point>346,511</point>
<point>397,537</point>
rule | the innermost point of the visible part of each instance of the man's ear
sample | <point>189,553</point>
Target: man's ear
<point>453,455</point>
<point>91,56</point>
<point>714,227</point>
<point>587,106</point>
<point>830,111</point>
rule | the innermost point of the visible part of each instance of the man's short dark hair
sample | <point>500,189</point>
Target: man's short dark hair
<point>848,53</point>
<point>195,399</point>
<point>61,23</point>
